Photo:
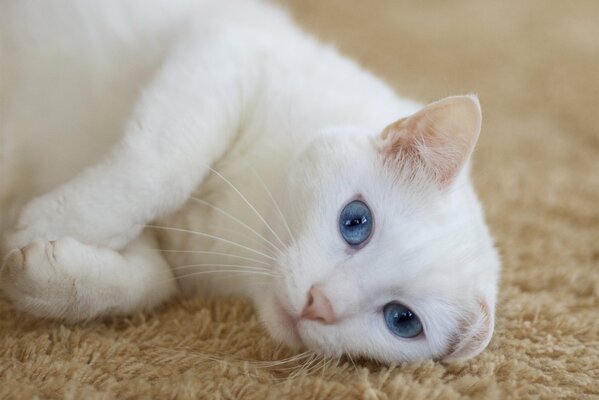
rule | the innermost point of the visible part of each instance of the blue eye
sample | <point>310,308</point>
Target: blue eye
<point>402,321</point>
<point>355,223</point>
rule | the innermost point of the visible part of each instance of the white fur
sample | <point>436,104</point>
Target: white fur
<point>231,105</point>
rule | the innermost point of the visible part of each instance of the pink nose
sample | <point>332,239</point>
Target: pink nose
<point>318,307</point>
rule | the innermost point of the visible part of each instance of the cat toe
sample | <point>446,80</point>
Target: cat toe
<point>33,279</point>
<point>22,264</point>
<point>13,262</point>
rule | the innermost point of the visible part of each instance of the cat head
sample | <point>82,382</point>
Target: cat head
<point>389,257</point>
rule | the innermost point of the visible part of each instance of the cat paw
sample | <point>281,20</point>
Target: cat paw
<point>38,278</point>
<point>52,217</point>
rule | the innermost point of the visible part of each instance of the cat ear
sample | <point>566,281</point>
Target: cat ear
<point>440,137</point>
<point>474,336</point>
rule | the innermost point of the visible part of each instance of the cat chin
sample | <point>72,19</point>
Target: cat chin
<point>297,334</point>
<point>281,325</point>
<point>294,333</point>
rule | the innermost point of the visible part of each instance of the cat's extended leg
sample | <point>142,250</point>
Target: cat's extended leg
<point>183,122</point>
<point>74,281</point>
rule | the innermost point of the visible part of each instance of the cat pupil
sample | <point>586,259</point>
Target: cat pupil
<point>406,315</point>
<point>356,221</point>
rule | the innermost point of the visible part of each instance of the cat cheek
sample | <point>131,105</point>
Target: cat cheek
<point>474,336</point>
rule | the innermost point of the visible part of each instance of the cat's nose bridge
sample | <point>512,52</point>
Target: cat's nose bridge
<point>333,299</point>
<point>318,306</point>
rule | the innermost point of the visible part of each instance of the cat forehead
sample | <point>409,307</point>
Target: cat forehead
<point>349,160</point>
<point>338,157</point>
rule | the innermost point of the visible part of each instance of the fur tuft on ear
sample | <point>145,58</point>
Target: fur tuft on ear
<point>440,137</point>
<point>474,336</point>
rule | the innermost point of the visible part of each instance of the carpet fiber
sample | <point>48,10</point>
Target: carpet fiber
<point>535,67</point>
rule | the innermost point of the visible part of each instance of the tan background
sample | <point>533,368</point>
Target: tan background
<point>535,65</point>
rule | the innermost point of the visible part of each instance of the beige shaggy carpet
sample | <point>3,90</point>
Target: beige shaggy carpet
<point>535,65</point>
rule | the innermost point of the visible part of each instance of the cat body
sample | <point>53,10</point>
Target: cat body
<point>245,141</point>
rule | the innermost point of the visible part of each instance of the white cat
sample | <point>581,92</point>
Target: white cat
<point>261,162</point>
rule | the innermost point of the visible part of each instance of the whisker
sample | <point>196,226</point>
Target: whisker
<point>226,360</point>
<point>259,364</point>
<point>215,271</point>
<point>229,360</point>
<point>215,253</point>
<point>233,218</point>
<point>305,367</point>
<point>352,361</point>
<point>248,284</point>
<point>272,198</point>
<point>296,370</point>
<point>269,364</point>
<point>325,366</point>
<point>293,369</point>
<point>232,271</point>
<point>247,267</point>
<point>211,237</point>
<point>260,245</point>
<point>319,365</point>
<point>249,204</point>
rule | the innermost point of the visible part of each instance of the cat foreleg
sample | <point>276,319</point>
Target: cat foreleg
<point>183,122</point>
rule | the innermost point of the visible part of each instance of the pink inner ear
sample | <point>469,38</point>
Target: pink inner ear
<point>440,137</point>
<point>474,336</point>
